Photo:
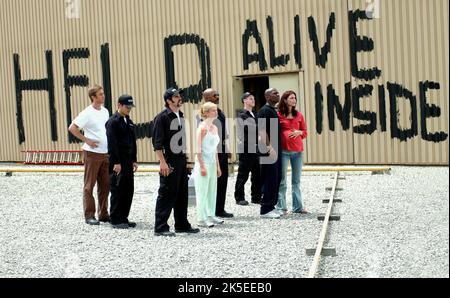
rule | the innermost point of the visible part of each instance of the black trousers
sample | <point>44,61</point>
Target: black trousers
<point>271,179</point>
<point>222,183</point>
<point>122,190</point>
<point>248,162</point>
<point>173,194</point>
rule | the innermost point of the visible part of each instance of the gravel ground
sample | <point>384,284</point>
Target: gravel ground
<point>392,226</point>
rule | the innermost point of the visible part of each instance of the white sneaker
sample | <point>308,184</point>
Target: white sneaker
<point>281,212</point>
<point>205,224</point>
<point>215,220</point>
<point>272,214</point>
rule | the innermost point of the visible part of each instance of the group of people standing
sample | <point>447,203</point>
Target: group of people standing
<point>267,142</point>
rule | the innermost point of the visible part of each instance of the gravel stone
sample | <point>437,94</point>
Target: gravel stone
<point>391,226</point>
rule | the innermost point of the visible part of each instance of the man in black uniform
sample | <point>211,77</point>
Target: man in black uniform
<point>122,161</point>
<point>211,95</point>
<point>169,142</point>
<point>247,136</point>
<point>270,133</point>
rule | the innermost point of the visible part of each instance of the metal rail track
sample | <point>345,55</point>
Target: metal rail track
<point>320,249</point>
<point>320,245</point>
<point>155,170</point>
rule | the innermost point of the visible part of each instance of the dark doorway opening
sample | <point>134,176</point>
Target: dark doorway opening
<point>257,86</point>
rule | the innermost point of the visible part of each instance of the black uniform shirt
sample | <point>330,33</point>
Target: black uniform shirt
<point>121,139</point>
<point>267,113</point>
<point>166,127</point>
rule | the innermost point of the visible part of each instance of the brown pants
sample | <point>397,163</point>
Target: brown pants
<point>96,169</point>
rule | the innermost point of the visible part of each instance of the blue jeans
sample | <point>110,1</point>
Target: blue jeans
<point>296,160</point>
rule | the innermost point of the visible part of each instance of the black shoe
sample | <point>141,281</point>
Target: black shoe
<point>225,215</point>
<point>188,231</point>
<point>121,226</point>
<point>256,201</point>
<point>242,203</point>
<point>105,220</point>
<point>132,224</point>
<point>92,221</point>
<point>165,234</point>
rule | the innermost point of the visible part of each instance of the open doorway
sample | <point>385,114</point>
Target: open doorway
<point>257,86</point>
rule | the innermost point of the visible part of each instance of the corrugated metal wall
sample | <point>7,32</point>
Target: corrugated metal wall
<point>410,46</point>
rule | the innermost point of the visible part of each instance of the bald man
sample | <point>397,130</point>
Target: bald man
<point>269,131</point>
<point>211,95</point>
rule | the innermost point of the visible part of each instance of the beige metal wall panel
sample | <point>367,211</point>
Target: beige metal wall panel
<point>411,45</point>
<point>8,139</point>
<point>328,146</point>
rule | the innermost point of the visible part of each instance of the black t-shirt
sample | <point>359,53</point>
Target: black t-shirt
<point>268,120</point>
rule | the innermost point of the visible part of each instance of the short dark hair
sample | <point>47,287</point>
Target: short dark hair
<point>283,107</point>
<point>245,95</point>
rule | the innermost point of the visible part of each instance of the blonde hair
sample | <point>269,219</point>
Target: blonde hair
<point>205,108</point>
<point>93,91</point>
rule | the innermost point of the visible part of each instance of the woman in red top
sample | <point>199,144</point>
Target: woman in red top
<point>293,132</point>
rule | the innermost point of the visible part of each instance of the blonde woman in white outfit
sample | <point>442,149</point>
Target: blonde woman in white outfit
<point>207,169</point>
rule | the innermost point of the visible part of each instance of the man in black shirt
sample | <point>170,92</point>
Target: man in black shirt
<point>122,162</point>
<point>169,142</point>
<point>247,136</point>
<point>270,133</point>
<point>211,95</point>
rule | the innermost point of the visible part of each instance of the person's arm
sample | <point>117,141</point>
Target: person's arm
<point>163,166</point>
<point>241,133</point>
<point>158,145</point>
<point>264,138</point>
<point>134,153</point>
<point>301,131</point>
<point>201,133</point>
<point>303,127</point>
<point>219,171</point>
<point>113,146</point>
<point>75,130</point>
<point>227,140</point>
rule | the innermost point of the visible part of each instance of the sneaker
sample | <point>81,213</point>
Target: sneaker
<point>205,224</point>
<point>215,220</point>
<point>92,221</point>
<point>271,215</point>
<point>282,212</point>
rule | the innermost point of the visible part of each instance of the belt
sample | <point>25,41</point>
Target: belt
<point>180,155</point>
